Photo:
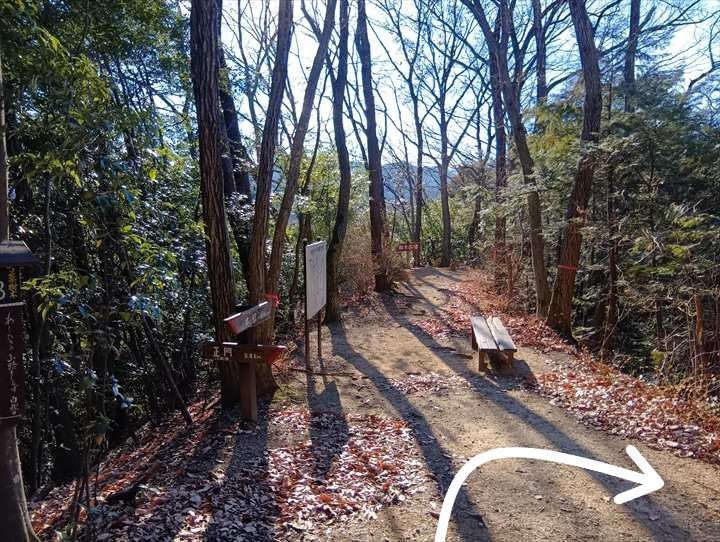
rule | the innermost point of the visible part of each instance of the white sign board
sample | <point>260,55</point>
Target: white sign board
<point>315,277</point>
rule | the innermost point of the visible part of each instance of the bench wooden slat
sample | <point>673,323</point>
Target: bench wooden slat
<point>483,336</point>
<point>500,334</point>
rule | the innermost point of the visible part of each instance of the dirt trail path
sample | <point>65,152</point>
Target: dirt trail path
<point>509,500</point>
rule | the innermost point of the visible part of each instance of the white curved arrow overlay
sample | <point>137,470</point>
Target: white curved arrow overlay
<point>648,479</point>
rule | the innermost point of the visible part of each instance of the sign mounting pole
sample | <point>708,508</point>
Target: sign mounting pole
<point>315,259</point>
<point>319,323</point>
<point>305,308</point>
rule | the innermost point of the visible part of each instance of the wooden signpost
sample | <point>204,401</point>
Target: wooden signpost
<point>14,256</point>
<point>408,247</point>
<point>245,356</point>
<point>242,353</point>
<point>314,257</point>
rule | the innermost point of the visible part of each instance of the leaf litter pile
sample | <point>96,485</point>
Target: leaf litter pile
<point>625,406</point>
<point>219,480</point>
<point>600,396</point>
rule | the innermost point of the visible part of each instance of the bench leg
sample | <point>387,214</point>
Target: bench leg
<point>509,356</point>
<point>482,366</point>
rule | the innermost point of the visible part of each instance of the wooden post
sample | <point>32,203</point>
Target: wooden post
<point>319,323</point>
<point>248,383</point>
<point>305,302</point>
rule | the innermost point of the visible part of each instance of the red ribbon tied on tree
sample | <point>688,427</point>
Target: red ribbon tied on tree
<point>273,298</point>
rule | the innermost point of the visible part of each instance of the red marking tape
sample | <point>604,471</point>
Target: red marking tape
<point>274,299</point>
<point>567,267</point>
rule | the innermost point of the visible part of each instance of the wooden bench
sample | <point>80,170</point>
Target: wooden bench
<point>490,335</point>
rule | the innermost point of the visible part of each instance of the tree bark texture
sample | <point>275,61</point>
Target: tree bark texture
<point>266,161</point>
<point>14,520</point>
<point>238,196</point>
<point>560,313</point>
<point>377,197</point>
<point>332,308</point>
<point>498,115</point>
<point>419,178</point>
<point>446,248</point>
<point>204,43</point>
<point>630,54</point>
<point>297,150</point>
<point>498,46</point>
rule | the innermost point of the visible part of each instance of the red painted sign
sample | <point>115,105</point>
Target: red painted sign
<point>408,247</point>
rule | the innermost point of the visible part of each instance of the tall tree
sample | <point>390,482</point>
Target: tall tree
<point>377,196</point>
<point>412,55</point>
<point>204,43</point>
<point>498,47</point>
<point>560,312</point>
<point>611,310</point>
<point>498,117</point>
<point>339,82</point>
<point>266,163</point>
<point>630,54</point>
<point>298,147</point>
<point>448,82</point>
<point>238,198</point>
<point>14,520</point>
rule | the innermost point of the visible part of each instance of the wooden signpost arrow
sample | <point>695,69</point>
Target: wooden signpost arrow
<point>242,321</point>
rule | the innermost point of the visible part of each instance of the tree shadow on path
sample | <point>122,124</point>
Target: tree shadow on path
<point>245,508</point>
<point>437,462</point>
<point>328,426</point>
<point>639,509</point>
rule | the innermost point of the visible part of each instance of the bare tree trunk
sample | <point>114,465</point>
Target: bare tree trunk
<point>377,197</point>
<point>14,520</point>
<point>204,43</point>
<point>560,313</point>
<point>256,276</point>
<point>297,150</point>
<point>500,250</point>
<point>239,197</point>
<point>630,54</point>
<point>446,252</point>
<point>419,178</point>
<point>332,309</point>
<point>498,49</point>
<point>304,225</point>
<point>540,54</point>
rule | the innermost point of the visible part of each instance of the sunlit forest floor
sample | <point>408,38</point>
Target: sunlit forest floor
<point>365,447</point>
